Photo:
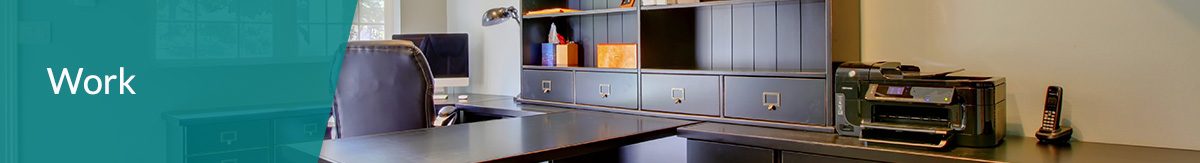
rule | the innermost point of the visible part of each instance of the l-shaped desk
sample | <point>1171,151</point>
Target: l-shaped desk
<point>542,133</point>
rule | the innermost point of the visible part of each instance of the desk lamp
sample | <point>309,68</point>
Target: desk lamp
<point>499,15</point>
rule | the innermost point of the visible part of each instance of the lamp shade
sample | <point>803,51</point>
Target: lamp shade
<point>500,15</point>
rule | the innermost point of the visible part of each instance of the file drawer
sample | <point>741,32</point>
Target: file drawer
<point>797,157</point>
<point>300,129</point>
<point>776,99</point>
<point>548,85</point>
<point>690,94</point>
<point>704,152</point>
<point>249,156</point>
<point>606,89</point>
<point>228,136</point>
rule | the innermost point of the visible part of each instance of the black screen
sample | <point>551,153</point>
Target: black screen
<point>893,91</point>
<point>447,53</point>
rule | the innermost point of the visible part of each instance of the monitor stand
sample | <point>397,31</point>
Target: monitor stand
<point>441,93</point>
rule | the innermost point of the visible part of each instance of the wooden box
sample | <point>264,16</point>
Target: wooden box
<point>616,55</point>
<point>566,55</point>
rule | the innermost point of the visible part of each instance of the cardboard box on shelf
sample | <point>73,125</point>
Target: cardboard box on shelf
<point>616,55</point>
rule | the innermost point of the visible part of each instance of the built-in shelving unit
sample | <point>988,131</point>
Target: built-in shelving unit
<point>754,62</point>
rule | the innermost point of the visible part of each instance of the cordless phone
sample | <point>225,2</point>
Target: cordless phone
<point>1051,131</point>
<point>1050,117</point>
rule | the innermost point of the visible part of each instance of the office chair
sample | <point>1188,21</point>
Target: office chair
<point>384,86</point>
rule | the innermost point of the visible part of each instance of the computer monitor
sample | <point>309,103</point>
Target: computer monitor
<point>447,54</point>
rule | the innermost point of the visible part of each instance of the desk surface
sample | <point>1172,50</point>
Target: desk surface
<point>522,139</point>
<point>1013,149</point>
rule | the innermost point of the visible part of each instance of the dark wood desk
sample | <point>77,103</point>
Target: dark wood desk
<point>1014,148</point>
<point>522,139</point>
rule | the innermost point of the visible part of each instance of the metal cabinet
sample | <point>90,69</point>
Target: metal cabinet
<point>690,94</point>
<point>606,89</point>
<point>702,152</point>
<point>254,155</point>
<point>214,138</point>
<point>797,157</point>
<point>299,129</point>
<point>548,85</point>
<point>790,100</point>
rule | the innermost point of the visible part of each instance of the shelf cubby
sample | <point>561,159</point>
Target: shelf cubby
<point>768,36</point>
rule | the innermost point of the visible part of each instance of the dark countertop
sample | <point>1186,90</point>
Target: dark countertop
<point>1013,149</point>
<point>522,139</point>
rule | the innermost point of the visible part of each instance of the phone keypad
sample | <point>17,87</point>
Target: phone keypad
<point>1048,120</point>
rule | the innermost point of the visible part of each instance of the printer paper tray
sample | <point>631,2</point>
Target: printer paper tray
<point>932,138</point>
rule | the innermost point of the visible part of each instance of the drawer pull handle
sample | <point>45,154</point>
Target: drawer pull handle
<point>605,89</point>
<point>228,137</point>
<point>230,161</point>
<point>677,94</point>
<point>767,98</point>
<point>546,84</point>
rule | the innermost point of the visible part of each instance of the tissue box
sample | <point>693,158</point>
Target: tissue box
<point>566,55</point>
<point>616,55</point>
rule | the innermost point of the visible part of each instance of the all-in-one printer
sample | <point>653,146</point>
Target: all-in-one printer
<point>886,102</point>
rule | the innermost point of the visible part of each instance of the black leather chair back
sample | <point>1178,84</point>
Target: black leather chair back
<point>384,86</point>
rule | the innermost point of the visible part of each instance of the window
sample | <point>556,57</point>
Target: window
<point>247,30</point>
<point>370,21</point>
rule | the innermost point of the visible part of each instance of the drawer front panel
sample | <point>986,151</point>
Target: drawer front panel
<point>548,85</point>
<point>796,157</point>
<point>606,89</point>
<point>703,151</point>
<point>228,136</point>
<point>776,99</point>
<point>300,129</point>
<point>690,94</point>
<point>249,156</point>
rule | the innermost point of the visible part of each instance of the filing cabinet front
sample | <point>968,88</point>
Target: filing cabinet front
<point>214,138</point>
<point>247,156</point>
<point>776,99</point>
<point>548,85</point>
<point>606,89</point>
<point>300,129</point>
<point>689,94</point>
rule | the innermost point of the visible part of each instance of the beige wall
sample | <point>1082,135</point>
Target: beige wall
<point>495,49</point>
<point>422,16</point>
<point>1128,67</point>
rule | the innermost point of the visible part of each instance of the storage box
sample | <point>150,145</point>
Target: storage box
<point>566,55</point>
<point>616,55</point>
<point>548,58</point>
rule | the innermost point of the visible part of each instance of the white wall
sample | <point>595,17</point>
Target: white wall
<point>422,16</point>
<point>495,50</point>
<point>1128,67</point>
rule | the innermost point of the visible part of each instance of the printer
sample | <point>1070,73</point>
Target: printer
<point>886,102</point>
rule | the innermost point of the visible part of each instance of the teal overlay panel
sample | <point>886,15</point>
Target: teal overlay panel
<point>8,86</point>
<point>214,81</point>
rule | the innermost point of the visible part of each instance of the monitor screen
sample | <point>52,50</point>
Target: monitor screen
<point>447,53</point>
